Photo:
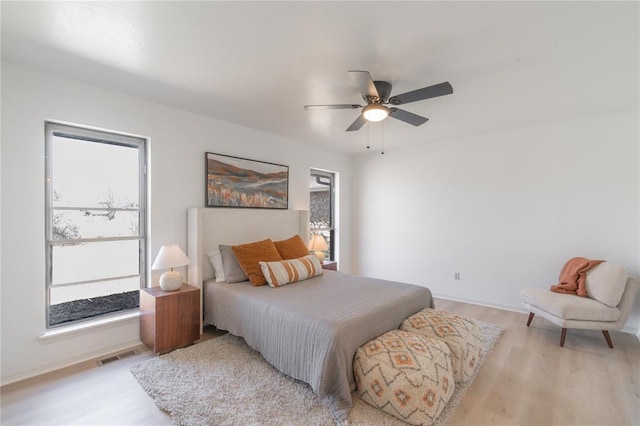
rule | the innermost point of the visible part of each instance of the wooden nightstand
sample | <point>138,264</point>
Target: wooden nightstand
<point>169,319</point>
<point>331,265</point>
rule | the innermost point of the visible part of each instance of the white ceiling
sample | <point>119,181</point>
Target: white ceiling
<point>511,64</point>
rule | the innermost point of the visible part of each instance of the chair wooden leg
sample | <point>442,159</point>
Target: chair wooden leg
<point>531,314</point>
<point>607,338</point>
<point>562,336</point>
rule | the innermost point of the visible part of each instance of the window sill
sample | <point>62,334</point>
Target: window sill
<point>66,332</point>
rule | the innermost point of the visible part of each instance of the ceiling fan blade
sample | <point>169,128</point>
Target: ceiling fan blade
<point>356,125</point>
<point>421,94</point>
<point>336,106</point>
<point>407,117</point>
<point>364,83</point>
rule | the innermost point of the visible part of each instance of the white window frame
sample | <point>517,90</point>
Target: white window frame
<point>93,136</point>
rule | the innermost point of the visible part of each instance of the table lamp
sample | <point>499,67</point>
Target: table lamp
<point>317,245</point>
<point>170,257</point>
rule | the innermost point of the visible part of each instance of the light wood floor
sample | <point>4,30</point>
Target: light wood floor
<point>527,380</point>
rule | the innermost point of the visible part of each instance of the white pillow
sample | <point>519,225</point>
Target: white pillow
<point>216,262</point>
<point>606,283</point>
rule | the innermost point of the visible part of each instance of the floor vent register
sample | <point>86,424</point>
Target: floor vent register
<point>117,357</point>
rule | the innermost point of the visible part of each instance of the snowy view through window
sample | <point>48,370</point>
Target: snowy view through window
<point>94,241</point>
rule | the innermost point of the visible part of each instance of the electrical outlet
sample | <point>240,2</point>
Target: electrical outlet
<point>456,276</point>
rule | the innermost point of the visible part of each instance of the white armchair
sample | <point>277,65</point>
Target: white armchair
<point>611,296</point>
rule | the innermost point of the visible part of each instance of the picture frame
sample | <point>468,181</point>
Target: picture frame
<point>244,183</point>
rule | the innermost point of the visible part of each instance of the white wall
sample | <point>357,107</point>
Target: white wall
<point>178,141</point>
<point>505,210</point>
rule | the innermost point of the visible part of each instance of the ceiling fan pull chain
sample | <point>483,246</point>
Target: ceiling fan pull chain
<point>368,125</point>
<point>382,137</point>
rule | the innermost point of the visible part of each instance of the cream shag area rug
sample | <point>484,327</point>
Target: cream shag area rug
<point>223,381</point>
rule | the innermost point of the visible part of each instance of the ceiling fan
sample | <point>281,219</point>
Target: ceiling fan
<point>376,94</point>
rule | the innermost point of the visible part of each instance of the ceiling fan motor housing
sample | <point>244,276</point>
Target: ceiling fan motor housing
<point>384,91</point>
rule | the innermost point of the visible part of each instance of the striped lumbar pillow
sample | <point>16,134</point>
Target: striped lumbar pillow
<point>290,271</point>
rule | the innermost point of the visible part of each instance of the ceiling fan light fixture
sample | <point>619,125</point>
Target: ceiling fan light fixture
<point>375,112</point>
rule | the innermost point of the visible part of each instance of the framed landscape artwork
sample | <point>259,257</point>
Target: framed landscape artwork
<point>239,182</point>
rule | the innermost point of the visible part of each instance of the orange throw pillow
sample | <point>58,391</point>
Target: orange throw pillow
<point>292,248</point>
<point>249,256</point>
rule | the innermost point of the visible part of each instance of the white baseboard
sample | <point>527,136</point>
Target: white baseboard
<point>487,304</point>
<point>520,310</point>
<point>47,368</point>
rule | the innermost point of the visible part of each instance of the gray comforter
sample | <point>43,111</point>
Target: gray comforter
<point>310,330</point>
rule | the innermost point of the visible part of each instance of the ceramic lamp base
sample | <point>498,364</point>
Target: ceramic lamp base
<point>171,280</point>
<point>319,255</point>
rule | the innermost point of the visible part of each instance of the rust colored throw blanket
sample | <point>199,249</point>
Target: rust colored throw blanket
<point>573,276</point>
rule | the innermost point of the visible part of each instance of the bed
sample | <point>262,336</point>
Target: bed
<point>309,330</point>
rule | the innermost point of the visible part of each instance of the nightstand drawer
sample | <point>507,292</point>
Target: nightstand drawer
<point>331,265</point>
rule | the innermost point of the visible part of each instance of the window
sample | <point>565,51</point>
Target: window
<point>322,208</point>
<point>95,222</point>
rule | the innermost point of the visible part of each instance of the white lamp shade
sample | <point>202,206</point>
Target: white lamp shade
<point>318,243</point>
<point>170,256</point>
